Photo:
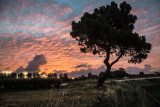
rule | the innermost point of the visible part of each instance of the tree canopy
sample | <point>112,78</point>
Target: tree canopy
<point>108,31</point>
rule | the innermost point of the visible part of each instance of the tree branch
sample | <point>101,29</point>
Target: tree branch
<point>116,60</point>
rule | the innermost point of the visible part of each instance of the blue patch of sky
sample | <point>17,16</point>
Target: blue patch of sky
<point>79,5</point>
<point>76,5</point>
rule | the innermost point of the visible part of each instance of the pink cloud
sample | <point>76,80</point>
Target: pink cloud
<point>139,11</point>
<point>151,28</point>
<point>89,8</point>
<point>45,32</point>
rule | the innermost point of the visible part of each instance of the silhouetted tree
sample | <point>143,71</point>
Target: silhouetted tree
<point>120,73</point>
<point>151,75</point>
<point>108,32</point>
<point>82,77</point>
<point>52,75</point>
<point>89,75</point>
<point>21,76</point>
<point>121,69</point>
<point>29,75</point>
<point>55,75</point>
<point>60,76</point>
<point>100,74</point>
<point>13,75</point>
<point>157,73</point>
<point>65,77</point>
<point>1,75</point>
<point>141,73</point>
<point>36,75</point>
<point>4,75</point>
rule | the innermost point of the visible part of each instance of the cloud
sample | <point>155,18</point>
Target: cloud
<point>147,67</point>
<point>43,74</point>
<point>82,65</point>
<point>33,16</point>
<point>58,72</point>
<point>19,70</point>
<point>85,72</point>
<point>58,51</point>
<point>7,68</point>
<point>33,66</point>
<point>42,27</point>
<point>135,70</point>
<point>80,72</point>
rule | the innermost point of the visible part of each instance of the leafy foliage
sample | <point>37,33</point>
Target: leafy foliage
<point>109,30</point>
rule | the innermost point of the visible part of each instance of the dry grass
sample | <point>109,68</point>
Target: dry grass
<point>78,94</point>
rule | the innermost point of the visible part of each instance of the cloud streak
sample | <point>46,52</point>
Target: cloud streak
<point>83,65</point>
<point>35,27</point>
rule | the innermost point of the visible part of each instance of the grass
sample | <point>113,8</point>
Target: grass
<point>153,88</point>
<point>80,94</point>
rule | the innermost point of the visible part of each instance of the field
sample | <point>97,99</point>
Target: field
<point>85,94</point>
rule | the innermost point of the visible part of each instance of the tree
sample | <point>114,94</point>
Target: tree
<point>89,75</point>
<point>55,76</point>
<point>108,32</point>
<point>157,73</point>
<point>21,76</point>
<point>13,75</point>
<point>65,77</point>
<point>29,75</point>
<point>82,77</point>
<point>1,75</point>
<point>60,76</point>
<point>120,73</point>
<point>4,75</point>
<point>101,74</point>
<point>36,75</point>
<point>52,75</point>
<point>141,73</point>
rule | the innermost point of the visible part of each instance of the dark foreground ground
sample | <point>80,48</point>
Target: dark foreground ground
<point>133,93</point>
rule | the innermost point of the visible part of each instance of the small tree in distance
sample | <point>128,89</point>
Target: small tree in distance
<point>120,73</point>
<point>36,75</point>
<point>65,77</point>
<point>108,32</point>
<point>29,75</point>
<point>141,73</point>
<point>13,75</point>
<point>21,76</point>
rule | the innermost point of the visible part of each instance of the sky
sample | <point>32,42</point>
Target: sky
<point>37,33</point>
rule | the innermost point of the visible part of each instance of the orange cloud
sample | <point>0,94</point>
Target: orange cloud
<point>43,28</point>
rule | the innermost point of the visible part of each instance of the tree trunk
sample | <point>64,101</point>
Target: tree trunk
<point>104,77</point>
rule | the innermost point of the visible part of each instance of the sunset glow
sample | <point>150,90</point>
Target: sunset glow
<point>34,27</point>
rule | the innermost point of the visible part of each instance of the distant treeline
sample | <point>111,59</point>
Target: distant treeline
<point>16,81</point>
<point>120,73</point>
<point>34,81</point>
<point>14,75</point>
